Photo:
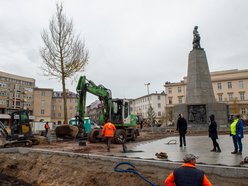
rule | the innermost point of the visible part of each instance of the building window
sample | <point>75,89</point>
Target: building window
<point>229,85</point>
<point>59,115</point>
<point>179,89</point>
<point>43,93</point>
<point>60,107</point>
<point>169,90</point>
<point>243,111</point>
<point>159,113</point>
<point>220,97</point>
<point>158,97</point>
<point>170,100</point>
<point>3,102</point>
<point>42,111</point>
<point>3,93</point>
<point>159,105</point>
<point>42,103</point>
<point>3,85</point>
<point>28,89</point>
<point>230,96</point>
<point>17,86</point>
<point>219,86</point>
<point>241,84</point>
<point>242,96</point>
<point>180,99</point>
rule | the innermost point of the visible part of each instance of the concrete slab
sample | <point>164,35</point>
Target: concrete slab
<point>197,145</point>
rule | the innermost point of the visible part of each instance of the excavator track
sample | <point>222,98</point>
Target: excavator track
<point>22,143</point>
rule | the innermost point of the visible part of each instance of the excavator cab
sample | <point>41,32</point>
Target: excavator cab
<point>20,133</point>
<point>20,126</point>
<point>120,113</point>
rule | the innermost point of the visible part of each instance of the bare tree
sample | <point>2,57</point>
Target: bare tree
<point>63,53</point>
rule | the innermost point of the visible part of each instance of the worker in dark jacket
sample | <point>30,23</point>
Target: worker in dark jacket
<point>187,174</point>
<point>182,129</point>
<point>212,131</point>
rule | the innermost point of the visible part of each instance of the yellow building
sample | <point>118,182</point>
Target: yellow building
<point>58,106</point>
<point>230,87</point>
<point>16,92</point>
<point>43,104</point>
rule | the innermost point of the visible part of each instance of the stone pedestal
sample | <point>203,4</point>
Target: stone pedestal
<point>199,85</point>
<point>198,119</point>
<point>200,99</point>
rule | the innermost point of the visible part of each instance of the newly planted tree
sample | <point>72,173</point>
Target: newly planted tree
<point>63,53</point>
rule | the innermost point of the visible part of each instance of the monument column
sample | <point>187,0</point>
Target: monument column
<point>199,88</point>
<point>200,101</point>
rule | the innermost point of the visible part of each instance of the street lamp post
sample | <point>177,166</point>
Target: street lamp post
<point>147,85</point>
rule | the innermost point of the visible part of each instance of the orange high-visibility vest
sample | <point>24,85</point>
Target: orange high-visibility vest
<point>108,130</point>
<point>46,126</point>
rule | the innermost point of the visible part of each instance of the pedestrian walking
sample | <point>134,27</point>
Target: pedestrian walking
<point>108,133</point>
<point>47,128</point>
<point>213,134</point>
<point>187,174</point>
<point>182,129</point>
<point>237,134</point>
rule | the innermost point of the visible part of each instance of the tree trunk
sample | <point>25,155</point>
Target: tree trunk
<point>65,100</point>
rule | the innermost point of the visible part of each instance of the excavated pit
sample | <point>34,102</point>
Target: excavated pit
<point>67,163</point>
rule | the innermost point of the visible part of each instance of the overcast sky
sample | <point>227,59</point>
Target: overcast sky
<point>130,42</point>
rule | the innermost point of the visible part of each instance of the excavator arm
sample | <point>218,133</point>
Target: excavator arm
<point>103,94</point>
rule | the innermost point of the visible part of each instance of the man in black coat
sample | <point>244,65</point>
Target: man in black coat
<point>212,130</point>
<point>182,129</point>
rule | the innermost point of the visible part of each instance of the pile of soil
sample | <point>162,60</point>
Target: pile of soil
<point>11,181</point>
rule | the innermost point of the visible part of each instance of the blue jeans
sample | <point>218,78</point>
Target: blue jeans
<point>237,144</point>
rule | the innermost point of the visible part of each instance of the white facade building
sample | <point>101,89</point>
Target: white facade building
<point>139,106</point>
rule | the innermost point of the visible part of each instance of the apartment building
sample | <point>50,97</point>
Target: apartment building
<point>139,106</point>
<point>43,104</point>
<point>94,110</point>
<point>230,87</point>
<point>58,106</point>
<point>16,92</point>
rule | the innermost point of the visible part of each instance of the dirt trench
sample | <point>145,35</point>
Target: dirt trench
<point>62,169</point>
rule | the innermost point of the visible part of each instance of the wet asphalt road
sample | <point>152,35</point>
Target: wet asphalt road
<point>197,145</point>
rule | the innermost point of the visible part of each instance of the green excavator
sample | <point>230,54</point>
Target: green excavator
<point>116,110</point>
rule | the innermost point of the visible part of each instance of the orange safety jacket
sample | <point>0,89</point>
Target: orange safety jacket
<point>170,180</point>
<point>108,130</point>
<point>46,126</point>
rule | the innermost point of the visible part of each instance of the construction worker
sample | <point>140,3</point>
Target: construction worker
<point>187,174</point>
<point>47,127</point>
<point>108,132</point>
<point>182,129</point>
<point>237,134</point>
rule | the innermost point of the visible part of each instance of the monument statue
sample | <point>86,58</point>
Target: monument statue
<point>196,38</point>
<point>200,101</point>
